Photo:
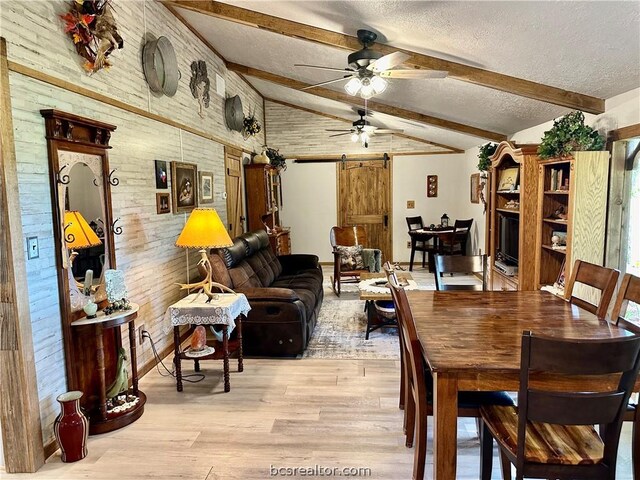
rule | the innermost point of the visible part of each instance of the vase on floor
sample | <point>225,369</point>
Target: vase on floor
<point>71,427</point>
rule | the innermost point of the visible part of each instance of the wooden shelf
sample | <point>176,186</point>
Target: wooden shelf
<point>551,249</point>
<point>556,192</point>
<point>555,221</point>
<point>508,192</point>
<point>508,210</point>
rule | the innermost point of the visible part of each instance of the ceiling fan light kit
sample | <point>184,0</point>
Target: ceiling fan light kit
<point>368,69</point>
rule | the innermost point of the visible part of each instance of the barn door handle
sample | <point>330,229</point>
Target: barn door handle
<point>386,221</point>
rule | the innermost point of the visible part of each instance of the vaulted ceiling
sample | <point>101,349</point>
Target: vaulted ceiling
<point>512,65</point>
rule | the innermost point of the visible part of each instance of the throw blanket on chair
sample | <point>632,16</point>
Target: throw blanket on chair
<point>372,258</point>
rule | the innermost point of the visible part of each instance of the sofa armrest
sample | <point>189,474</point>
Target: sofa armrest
<point>270,294</point>
<point>299,261</point>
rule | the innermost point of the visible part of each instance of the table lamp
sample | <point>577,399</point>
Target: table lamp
<point>204,230</point>
<point>78,234</point>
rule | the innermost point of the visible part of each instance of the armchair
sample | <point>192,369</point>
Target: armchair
<point>346,273</point>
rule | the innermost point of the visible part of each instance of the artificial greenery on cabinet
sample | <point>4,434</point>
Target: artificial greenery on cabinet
<point>484,156</point>
<point>569,134</point>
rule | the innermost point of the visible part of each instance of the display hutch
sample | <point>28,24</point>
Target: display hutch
<point>264,200</point>
<point>512,219</point>
<point>572,211</point>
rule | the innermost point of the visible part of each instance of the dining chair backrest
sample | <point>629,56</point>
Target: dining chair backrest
<point>601,278</point>
<point>465,264</point>
<point>414,223</point>
<point>571,358</point>
<point>412,344</point>
<point>629,292</point>
<point>461,226</point>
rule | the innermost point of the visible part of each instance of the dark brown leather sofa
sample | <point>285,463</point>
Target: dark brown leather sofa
<point>285,293</point>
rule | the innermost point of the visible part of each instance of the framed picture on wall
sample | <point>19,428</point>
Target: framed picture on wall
<point>162,175</point>
<point>206,187</point>
<point>183,186</point>
<point>163,203</point>
<point>475,188</point>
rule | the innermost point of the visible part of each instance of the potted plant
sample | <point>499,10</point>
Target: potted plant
<point>567,135</point>
<point>276,159</point>
<point>484,156</point>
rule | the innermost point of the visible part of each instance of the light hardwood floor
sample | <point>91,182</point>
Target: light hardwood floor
<point>285,413</point>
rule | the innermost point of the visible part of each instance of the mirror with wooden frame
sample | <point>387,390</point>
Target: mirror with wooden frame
<point>84,237</point>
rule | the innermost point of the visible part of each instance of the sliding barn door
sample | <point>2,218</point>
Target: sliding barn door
<point>364,198</point>
<point>233,186</point>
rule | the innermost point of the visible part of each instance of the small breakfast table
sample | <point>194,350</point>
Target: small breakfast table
<point>471,341</point>
<point>425,235</point>
<point>227,310</point>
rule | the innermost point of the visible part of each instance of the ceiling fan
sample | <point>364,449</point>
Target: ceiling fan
<point>368,69</point>
<point>362,130</point>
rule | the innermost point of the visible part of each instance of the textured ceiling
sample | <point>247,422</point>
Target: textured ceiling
<point>587,47</point>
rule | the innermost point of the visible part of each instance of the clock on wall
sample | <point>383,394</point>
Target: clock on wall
<point>161,66</point>
<point>233,113</point>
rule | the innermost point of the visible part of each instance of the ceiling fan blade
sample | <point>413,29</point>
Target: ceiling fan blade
<point>388,61</point>
<point>414,73</point>
<point>318,67</point>
<point>340,134</point>
<point>351,130</point>
<point>388,131</point>
<point>327,82</point>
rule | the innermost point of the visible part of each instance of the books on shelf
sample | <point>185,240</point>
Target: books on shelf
<point>559,180</point>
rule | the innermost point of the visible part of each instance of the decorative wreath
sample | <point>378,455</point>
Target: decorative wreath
<point>250,127</point>
<point>92,27</point>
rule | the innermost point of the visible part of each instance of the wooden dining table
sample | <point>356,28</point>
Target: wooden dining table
<point>471,341</point>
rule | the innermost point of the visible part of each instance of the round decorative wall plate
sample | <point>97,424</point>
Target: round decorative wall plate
<point>161,66</point>
<point>233,113</point>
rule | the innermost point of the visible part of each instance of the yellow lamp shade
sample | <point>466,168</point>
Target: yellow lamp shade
<point>204,229</point>
<point>77,232</point>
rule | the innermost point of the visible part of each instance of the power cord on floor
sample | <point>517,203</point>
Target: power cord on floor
<point>191,378</point>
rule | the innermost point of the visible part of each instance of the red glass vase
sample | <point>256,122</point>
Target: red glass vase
<point>71,427</point>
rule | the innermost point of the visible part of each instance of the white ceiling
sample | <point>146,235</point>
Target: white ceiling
<point>586,47</point>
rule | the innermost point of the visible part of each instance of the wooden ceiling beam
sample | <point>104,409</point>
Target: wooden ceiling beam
<point>372,105</point>
<point>458,71</point>
<point>350,122</point>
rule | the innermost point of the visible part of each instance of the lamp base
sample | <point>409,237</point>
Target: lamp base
<point>206,284</point>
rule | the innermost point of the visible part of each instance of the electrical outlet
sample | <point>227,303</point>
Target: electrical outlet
<point>140,336</point>
<point>408,243</point>
<point>411,204</point>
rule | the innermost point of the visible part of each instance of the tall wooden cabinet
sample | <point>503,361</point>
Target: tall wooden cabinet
<point>512,219</point>
<point>572,206</point>
<point>264,199</point>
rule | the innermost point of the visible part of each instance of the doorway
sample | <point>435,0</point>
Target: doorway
<point>233,187</point>
<point>364,198</point>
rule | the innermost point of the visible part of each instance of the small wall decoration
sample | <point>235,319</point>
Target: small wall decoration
<point>200,85</point>
<point>162,174</point>
<point>475,183</point>
<point>508,179</point>
<point>432,186</point>
<point>163,204</point>
<point>206,187</point>
<point>250,126</point>
<point>161,66</point>
<point>92,27</point>
<point>183,186</point>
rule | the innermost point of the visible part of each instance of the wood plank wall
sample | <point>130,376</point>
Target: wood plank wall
<point>145,250</point>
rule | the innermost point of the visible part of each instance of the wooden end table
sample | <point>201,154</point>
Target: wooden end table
<point>103,420</point>
<point>227,311</point>
<point>374,322</point>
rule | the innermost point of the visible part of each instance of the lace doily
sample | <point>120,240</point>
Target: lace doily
<point>193,310</point>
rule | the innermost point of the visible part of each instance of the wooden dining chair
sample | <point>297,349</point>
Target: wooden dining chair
<point>418,242</point>
<point>471,264</point>
<point>630,292</point>
<point>601,278</point>
<point>551,433</point>
<point>348,237</point>
<point>455,243</point>
<point>418,387</point>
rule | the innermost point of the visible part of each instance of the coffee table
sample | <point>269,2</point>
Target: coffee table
<point>374,321</point>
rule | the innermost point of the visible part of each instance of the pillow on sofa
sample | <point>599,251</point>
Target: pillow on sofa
<point>350,257</point>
